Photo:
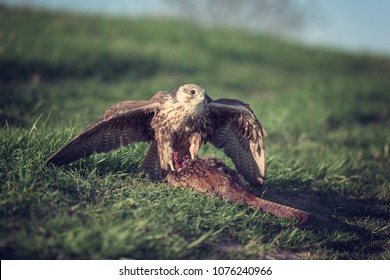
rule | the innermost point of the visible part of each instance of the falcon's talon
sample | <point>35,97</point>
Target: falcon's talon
<point>172,166</point>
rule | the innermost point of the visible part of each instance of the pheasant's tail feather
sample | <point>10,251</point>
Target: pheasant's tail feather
<point>280,210</point>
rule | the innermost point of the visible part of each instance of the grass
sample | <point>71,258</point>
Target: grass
<point>326,113</point>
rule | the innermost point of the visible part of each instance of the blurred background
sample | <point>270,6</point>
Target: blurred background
<point>107,51</point>
<point>348,24</point>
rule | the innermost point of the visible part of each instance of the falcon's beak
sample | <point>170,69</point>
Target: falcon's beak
<point>202,96</point>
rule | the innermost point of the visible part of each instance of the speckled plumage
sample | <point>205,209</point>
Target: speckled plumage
<point>179,121</point>
<point>212,177</point>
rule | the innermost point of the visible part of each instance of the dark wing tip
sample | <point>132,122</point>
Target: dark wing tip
<point>58,160</point>
<point>50,162</point>
<point>54,160</point>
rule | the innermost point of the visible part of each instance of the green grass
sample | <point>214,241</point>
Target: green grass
<point>327,114</point>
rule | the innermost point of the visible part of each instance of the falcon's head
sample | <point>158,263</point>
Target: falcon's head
<point>192,97</point>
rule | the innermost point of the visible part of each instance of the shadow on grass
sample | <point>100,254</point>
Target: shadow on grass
<point>354,227</point>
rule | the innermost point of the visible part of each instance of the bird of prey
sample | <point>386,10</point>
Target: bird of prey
<point>211,176</point>
<point>178,122</point>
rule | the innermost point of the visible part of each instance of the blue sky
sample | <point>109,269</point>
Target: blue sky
<point>353,24</point>
<point>357,25</point>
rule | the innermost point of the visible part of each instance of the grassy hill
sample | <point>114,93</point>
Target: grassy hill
<point>327,114</point>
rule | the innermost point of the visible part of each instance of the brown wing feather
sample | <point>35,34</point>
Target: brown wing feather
<point>151,163</point>
<point>124,123</point>
<point>241,135</point>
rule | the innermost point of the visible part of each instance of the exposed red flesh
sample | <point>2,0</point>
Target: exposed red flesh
<point>179,163</point>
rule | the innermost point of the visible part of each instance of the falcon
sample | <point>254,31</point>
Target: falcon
<point>175,123</point>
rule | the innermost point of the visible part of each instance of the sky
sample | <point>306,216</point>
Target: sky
<point>361,25</point>
<point>354,25</point>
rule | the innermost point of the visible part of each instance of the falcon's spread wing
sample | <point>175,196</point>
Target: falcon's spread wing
<point>124,123</point>
<point>240,134</point>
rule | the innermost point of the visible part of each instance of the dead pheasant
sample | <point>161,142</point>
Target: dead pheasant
<point>213,177</point>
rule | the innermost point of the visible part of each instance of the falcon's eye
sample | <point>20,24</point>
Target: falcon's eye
<point>193,91</point>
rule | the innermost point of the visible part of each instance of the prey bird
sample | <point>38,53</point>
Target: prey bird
<point>176,122</point>
<point>212,177</point>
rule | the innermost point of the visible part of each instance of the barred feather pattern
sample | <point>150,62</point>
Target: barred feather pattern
<point>240,135</point>
<point>122,124</point>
